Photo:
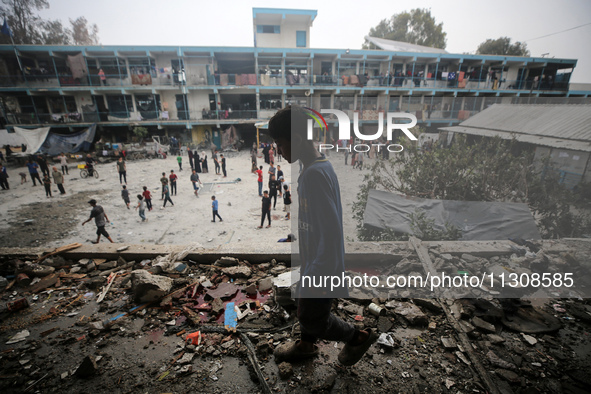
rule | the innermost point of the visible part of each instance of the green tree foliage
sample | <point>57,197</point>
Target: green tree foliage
<point>28,28</point>
<point>502,46</point>
<point>415,27</point>
<point>140,132</point>
<point>489,169</point>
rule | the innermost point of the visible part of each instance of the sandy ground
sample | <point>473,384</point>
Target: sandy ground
<point>58,221</point>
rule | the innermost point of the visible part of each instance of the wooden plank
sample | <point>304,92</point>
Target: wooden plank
<point>423,255</point>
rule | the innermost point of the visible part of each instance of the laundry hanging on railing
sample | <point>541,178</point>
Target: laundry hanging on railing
<point>77,66</point>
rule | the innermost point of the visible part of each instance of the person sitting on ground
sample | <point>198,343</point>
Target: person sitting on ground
<point>290,238</point>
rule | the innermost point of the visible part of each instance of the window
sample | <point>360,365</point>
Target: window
<point>300,39</point>
<point>62,104</point>
<point>270,101</point>
<point>148,105</point>
<point>120,106</point>
<point>272,29</point>
<point>143,65</point>
<point>113,67</point>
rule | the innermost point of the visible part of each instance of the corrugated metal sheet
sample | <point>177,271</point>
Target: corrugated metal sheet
<point>560,122</point>
<point>528,138</point>
<point>399,46</point>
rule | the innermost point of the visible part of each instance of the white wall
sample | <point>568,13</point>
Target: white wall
<point>285,39</point>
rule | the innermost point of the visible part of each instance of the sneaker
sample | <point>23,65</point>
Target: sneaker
<point>351,354</point>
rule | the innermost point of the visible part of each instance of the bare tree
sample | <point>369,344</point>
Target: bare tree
<point>23,20</point>
<point>83,33</point>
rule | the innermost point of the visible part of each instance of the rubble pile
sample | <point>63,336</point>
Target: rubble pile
<point>169,324</point>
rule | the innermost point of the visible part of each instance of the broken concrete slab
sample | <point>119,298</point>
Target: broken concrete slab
<point>108,265</point>
<point>483,325</point>
<point>238,272</point>
<point>224,290</point>
<point>227,262</point>
<point>429,304</point>
<point>499,362</point>
<point>147,287</point>
<point>409,311</point>
<point>495,339</point>
<point>265,284</point>
<point>448,343</point>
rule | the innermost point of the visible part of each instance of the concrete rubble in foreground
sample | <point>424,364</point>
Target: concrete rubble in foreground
<point>163,323</point>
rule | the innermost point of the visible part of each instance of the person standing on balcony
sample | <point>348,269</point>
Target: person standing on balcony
<point>102,76</point>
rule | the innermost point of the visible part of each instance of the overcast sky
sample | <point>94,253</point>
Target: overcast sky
<point>340,23</point>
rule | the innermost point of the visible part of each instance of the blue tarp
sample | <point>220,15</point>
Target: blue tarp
<point>55,143</point>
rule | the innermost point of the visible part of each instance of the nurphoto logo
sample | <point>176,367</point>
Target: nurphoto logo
<point>345,129</point>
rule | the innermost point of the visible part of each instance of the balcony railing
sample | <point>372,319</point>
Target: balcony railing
<point>303,80</point>
<point>127,116</point>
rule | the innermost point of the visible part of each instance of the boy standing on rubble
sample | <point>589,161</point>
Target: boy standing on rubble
<point>321,244</point>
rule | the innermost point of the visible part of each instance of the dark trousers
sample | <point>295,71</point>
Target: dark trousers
<point>215,213</point>
<point>268,215</point>
<point>45,171</point>
<point>274,198</point>
<point>149,203</point>
<point>224,170</point>
<point>123,177</point>
<point>65,170</point>
<point>61,188</point>
<point>180,166</point>
<point>35,175</point>
<point>173,188</point>
<point>316,321</point>
<point>217,167</point>
<point>47,190</point>
<point>4,184</point>
<point>167,198</point>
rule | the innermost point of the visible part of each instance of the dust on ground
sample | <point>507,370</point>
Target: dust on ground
<point>57,221</point>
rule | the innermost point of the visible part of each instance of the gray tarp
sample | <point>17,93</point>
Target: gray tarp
<point>68,143</point>
<point>478,220</point>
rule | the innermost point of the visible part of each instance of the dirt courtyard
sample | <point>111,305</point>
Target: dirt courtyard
<point>29,218</point>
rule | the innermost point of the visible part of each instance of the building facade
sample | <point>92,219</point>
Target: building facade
<point>194,93</point>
